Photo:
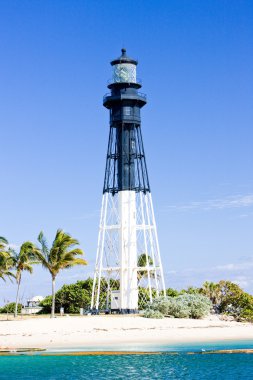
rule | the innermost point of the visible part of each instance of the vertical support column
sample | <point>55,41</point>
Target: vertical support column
<point>151,226</point>
<point>146,246</point>
<point>128,253</point>
<point>157,244</point>
<point>99,253</point>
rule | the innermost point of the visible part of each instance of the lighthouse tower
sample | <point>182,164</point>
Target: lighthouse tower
<point>128,269</point>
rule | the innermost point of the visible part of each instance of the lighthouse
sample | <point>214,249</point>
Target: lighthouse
<point>128,269</point>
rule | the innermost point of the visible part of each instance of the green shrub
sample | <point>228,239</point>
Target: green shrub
<point>10,308</point>
<point>170,292</point>
<point>184,306</point>
<point>171,306</point>
<point>179,308</point>
<point>46,305</point>
<point>161,304</point>
<point>71,297</point>
<point>153,314</point>
<point>246,315</point>
<point>144,297</point>
<point>190,290</point>
<point>198,305</point>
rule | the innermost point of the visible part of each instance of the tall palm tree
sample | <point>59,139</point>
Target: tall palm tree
<point>6,260</point>
<point>61,255</point>
<point>23,261</point>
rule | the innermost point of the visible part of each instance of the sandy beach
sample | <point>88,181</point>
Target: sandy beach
<point>90,331</point>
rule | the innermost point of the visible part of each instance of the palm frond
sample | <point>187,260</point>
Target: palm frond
<point>62,253</point>
<point>24,259</point>
<point>41,259</point>
<point>6,264</point>
<point>3,243</point>
<point>44,247</point>
<point>8,274</point>
<point>79,262</point>
<point>3,240</point>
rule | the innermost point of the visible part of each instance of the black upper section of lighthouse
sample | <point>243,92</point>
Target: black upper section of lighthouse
<point>124,59</point>
<point>125,164</point>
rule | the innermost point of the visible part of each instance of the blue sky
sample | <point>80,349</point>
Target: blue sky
<point>195,62</point>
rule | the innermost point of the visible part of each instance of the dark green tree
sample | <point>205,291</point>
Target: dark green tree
<point>170,292</point>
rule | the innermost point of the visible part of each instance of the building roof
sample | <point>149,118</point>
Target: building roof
<point>124,59</point>
<point>36,299</point>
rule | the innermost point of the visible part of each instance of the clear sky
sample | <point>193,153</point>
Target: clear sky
<point>195,62</point>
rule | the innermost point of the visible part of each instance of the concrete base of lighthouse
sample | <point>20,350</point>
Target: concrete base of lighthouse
<point>128,252</point>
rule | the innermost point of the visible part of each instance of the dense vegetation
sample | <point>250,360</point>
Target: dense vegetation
<point>224,297</point>
<point>10,308</point>
<point>71,297</point>
<point>228,298</point>
<point>63,254</point>
<point>183,306</point>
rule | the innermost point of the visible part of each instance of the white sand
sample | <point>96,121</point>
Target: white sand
<point>70,332</point>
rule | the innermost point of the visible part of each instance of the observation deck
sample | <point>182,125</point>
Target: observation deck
<point>110,99</point>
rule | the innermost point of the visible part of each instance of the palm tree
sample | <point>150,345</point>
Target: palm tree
<point>6,260</point>
<point>144,261</point>
<point>61,255</point>
<point>23,261</point>
<point>213,291</point>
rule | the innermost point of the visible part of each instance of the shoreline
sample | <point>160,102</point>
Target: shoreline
<point>118,331</point>
<point>124,353</point>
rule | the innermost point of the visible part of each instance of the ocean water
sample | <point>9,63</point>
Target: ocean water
<point>165,365</point>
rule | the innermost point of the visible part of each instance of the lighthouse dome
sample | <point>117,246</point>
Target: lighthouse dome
<point>124,59</point>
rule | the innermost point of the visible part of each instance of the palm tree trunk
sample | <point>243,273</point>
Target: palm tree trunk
<point>16,305</point>
<point>53,297</point>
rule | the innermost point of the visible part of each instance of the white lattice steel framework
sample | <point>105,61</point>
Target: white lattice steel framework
<point>128,256</point>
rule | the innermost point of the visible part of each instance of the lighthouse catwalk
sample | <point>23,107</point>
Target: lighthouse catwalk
<point>128,269</point>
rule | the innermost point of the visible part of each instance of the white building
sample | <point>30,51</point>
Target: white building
<point>32,306</point>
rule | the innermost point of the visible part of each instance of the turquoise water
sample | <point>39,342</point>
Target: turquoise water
<point>161,366</point>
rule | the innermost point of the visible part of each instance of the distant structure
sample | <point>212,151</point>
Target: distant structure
<point>128,267</point>
<point>32,306</point>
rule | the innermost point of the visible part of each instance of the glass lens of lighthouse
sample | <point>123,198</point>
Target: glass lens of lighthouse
<point>124,73</point>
